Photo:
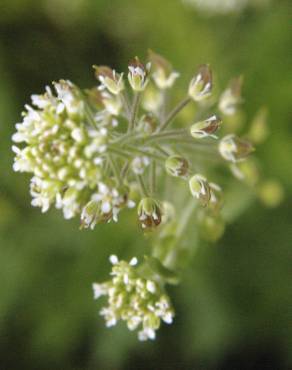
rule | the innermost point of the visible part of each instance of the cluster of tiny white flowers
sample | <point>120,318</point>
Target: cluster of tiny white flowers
<point>140,302</point>
<point>61,150</point>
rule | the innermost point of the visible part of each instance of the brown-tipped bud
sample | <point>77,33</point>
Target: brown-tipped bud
<point>149,213</point>
<point>147,124</point>
<point>109,79</point>
<point>163,75</point>
<point>177,166</point>
<point>235,149</point>
<point>200,189</point>
<point>201,84</point>
<point>138,74</point>
<point>206,128</point>
<point>231,98</point>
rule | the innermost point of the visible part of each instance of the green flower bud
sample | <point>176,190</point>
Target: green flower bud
<point>234,149</point>
<point>230,99</point>
<point>90,214</point>
<point>138,74</point>
<point>149,213</point>
<point>164,76</point>
<point>200,189</point>
<point>109,79</point>
<point>177,166</point>
<point>206,128</point>
<point>201,85</point>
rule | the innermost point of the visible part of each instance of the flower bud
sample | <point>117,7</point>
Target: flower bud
<point>234,149</point>
<point>149,213</point>
<point>206,128</point>
<point>164,76</point>
<point>200,189</point>
<point>201,85</point>
<point>176,165</point>
<point>90,214</point>
<point>138,74</point>
<point>147,124</point>
<point>231,97</point>
<point>109,79</point>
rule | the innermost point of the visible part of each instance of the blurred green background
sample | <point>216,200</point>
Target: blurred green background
<point>234,308</point>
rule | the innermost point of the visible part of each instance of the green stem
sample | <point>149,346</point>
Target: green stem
<point>142,186</point>
<point>153,177</point>
<point>125,102</point>
<point>134,111</point>
<point>115,169</point>
<point>174,113</point>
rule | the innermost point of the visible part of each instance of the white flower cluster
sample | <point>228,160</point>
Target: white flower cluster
<point>62,151</point>
<point>140,302</point>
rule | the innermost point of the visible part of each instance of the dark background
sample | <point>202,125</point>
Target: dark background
<point>234,308</point>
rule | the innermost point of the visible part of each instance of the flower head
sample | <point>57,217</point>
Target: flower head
<point>138,74</point>
<point>140,302</point>
<point>200,189</point>
<point>235,149</point>
<point>230,99</point>
<point>206,128</point>
<point>177,166</point>
<point>200,87</point>
<point>149,213</point>
<point>163,75</point>
<point>109,79</point>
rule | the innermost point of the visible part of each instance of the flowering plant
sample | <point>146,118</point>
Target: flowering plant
<point>92,153</point>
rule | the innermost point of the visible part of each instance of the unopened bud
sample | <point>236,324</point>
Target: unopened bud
<point>139,164</point>
<point>206,128</point>
<point>164,76</point>
<point>177,166</point>
<point>230,99</point>
<point>147,124</point>
<point>216,199</point>
<point>271,193</point>
<point>90,214</point>
<point>234,149</point>
<point>200,189</point>
<point>149,213</point>
<point>109,79</point>
<point>201,85</point>
<point>138,74</point>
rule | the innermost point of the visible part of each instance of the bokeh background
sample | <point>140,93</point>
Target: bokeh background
<point>234,308</point>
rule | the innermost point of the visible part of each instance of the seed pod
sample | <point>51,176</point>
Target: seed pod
<point>176,166</point>
<point>234,149</point>
<point>201,84</point>
<point>206,128</point>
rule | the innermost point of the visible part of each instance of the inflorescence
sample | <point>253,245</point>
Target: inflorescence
<point>89,150</point>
